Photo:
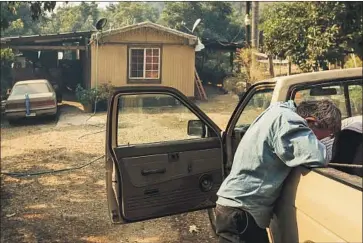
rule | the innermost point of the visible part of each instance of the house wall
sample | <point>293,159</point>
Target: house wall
<point>177,63</point>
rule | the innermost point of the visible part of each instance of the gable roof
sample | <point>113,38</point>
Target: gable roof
<point>151,25</point>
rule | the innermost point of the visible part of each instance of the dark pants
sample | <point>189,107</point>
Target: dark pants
<point>238,226</point>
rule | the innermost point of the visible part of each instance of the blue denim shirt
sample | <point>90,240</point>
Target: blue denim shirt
<point>276,141</point>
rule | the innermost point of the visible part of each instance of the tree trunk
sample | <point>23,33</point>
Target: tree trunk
<point>271,66</point>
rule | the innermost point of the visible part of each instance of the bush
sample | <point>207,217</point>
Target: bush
<point>86,96</point>
<point>235,83</point>
<point>350,62</point>
<point>246,74</point>
<point>94,96</point>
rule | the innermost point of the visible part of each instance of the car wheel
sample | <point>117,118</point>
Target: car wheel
<point>212,219</point>
<point>54,117</point>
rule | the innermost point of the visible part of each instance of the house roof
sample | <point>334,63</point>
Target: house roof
<point>50,39</point>
<point>153,26</point>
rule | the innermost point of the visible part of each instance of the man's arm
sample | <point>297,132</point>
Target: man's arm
<point>296,144</point>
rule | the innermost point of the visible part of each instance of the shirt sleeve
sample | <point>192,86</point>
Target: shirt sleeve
<point>296,144</point>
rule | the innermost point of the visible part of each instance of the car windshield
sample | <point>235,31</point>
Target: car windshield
<point>34,88</point>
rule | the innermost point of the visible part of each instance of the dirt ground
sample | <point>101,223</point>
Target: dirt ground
<point>71,206</point>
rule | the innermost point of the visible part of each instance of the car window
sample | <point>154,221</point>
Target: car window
<point>355,96</point>
<point>338,93</point>
<point>152,118</point>
<point>256,105</point>
<point>35,88</point>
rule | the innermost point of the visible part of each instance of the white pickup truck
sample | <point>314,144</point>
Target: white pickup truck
<point>182,169</point>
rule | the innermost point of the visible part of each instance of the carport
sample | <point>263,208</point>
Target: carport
<point>62,58</point>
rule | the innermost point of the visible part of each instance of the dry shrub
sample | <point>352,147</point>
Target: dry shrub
<point>247,73</point>
<point>351,63</point>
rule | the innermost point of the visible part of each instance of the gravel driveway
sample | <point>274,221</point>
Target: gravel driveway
<point>71,206</point>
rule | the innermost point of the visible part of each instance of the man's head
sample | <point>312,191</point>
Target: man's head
<point>322,116</point>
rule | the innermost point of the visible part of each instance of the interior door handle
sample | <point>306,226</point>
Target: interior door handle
<point>155,171</point>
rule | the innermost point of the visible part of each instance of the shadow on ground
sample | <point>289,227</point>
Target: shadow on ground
<point>71,206</point>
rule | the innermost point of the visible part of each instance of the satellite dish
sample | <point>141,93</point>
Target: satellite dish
<point>195,24</point>
<point>101,23</point>
<point>199,46</point>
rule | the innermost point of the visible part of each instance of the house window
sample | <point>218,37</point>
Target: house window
<point>144,63</point>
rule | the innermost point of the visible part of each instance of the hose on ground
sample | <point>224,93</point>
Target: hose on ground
<point>27,174</point>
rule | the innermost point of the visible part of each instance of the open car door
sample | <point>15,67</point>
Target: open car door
<point>164,156</point>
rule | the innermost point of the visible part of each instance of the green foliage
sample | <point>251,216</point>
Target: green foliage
<point>105,91</point>
<point>219,19</point>
<point>86,96</point>
<point>127,13</point>
<point>90,96</point>
<point>70,18</point>
<point>25,11</point>
<point>6,55</point>
<point>313,33</point>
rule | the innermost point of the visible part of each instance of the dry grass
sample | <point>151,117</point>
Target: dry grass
<point>71,206</point>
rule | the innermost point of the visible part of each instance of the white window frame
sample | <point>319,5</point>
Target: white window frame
<point>130,63</point>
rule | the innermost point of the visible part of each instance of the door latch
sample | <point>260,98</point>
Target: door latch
<point>173,157</point>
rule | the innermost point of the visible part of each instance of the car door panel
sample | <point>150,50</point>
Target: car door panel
<point>303,208</point>
<point>170,181</point>
<point>163,178</point>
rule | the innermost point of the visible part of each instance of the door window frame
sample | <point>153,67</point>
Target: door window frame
<point>345,83</point>
<point>156,90</point>
<point>329,172</point>
<point>228,134</point>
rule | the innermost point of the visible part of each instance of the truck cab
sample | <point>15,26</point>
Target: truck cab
<point>165,156</point>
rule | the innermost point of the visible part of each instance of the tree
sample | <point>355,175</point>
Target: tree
<point>220,20</point>
<point>127,13</point>
<point>313,33</point>
<point>70,18</point>
<point>9,11</point>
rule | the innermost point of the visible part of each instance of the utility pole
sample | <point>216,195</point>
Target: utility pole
<point>248,23</point>
<point>255,18</point>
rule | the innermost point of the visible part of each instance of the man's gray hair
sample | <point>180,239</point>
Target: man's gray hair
<point>326,113</point>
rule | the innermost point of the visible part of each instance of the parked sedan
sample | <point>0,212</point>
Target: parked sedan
<point>31,98</point>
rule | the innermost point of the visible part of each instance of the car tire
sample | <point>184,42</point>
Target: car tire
<point>55,116</point>
<point>212,219</point>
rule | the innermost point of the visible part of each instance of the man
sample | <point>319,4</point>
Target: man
<point>282,137</point>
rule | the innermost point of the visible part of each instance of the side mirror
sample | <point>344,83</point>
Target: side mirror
<point>196,128</point>
<point>8,92</point>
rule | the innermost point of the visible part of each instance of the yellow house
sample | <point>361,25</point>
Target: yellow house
<point>144,54</point>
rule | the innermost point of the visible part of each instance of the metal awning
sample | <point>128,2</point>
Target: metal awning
<point>60,41</point>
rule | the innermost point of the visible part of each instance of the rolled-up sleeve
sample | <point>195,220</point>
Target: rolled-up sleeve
<point>296,144</point>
